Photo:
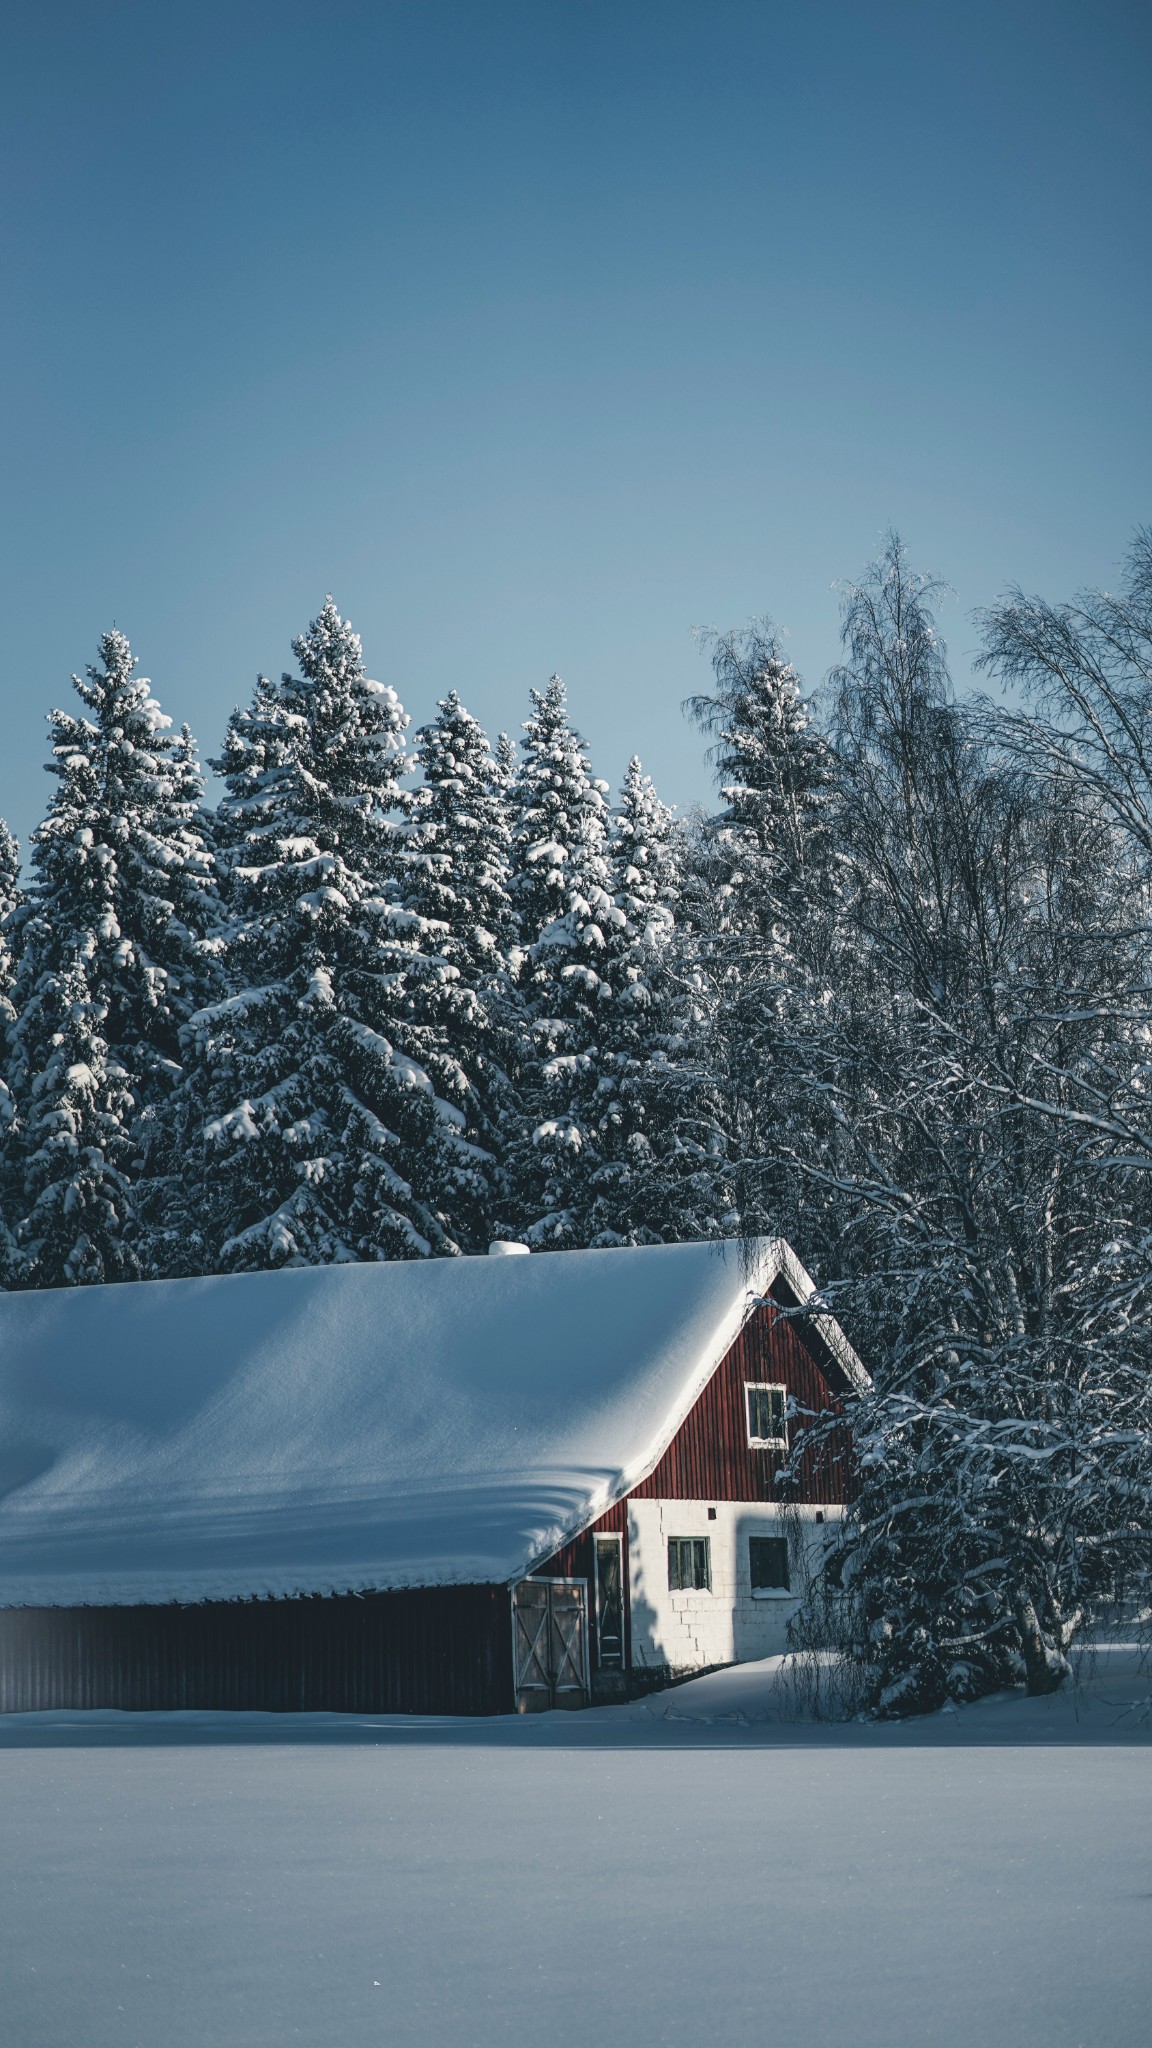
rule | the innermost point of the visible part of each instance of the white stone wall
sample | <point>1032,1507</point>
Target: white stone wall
<point>729,1624</point>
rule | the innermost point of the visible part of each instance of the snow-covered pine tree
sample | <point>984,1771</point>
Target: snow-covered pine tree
<point>770,846</point>
<point>115,950</point>
<point>160,1189</point>
<point>760,901</point>
<point>73,1145</point>
<point>10,899</point>
<point>318,1136</point>
<point>121,853</point>
<point>666,1173</point>
<point>454,876</point>
<point>560,882</point>
<point>651,1169</point>
<point>559,868</point>
<point>457,844</point>
<point>646,854</point>
<point>503,767</point>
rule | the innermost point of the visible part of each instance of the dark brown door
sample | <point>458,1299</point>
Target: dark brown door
<point>609,1603</point>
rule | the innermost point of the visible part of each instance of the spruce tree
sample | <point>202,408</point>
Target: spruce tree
<point>114,952</point>
<point>770,848</point>
<point>10,900</point>
<point>121,854</point>
<point>454,877</point>
<point>74,1150</point>
<point>595,1183</point>
<point>455,870</point>
<point>320,1137</point>
<point>645,852</point>
<point>559,879</point>
<point>561,887</point>
<point>503,767</point>
<point>659,1167</point>
<point>762,902</point>
<point>648,1166</point>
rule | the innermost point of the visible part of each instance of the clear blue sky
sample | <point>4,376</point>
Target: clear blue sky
<point>542,333</point>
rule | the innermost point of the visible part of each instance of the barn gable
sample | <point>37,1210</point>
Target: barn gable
<point>703,1450</point>
<point>716,1487</point>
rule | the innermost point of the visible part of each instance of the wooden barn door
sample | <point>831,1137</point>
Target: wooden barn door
<point>550,1644</point>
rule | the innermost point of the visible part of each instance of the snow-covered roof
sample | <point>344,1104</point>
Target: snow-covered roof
<point>343,1428</point>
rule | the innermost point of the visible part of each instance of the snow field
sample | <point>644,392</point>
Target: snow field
<point>216,1882</point>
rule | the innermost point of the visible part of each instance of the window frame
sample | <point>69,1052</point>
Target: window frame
<point>705,1543</point>
<point>783,1592</point>
<point>766,1443</point>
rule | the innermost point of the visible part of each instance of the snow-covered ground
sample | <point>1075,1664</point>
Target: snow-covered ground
<point>695,1870</point>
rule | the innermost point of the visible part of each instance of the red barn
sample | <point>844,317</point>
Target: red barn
<point>460,1487</point>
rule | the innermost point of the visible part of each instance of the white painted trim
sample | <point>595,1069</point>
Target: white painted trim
<point>803,1287</point>
<point>763,1443</point>
<point>690,1592</point>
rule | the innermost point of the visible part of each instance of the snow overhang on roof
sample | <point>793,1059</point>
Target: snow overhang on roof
<point>350,1428</point>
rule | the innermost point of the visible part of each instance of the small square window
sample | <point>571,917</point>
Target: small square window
<point>766,1424</point>
<point>689,1564</point>
<point>768,1562</point>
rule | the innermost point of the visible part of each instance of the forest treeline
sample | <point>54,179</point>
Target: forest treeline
<point>398,995</point>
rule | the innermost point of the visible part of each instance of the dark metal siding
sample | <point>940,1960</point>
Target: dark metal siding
<point>442,1650</point>
<point>709,1458</point>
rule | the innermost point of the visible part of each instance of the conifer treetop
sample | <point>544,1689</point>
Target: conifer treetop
<point>769,759</point>
<point>314,1089</point>
<point>503,763</point>
<point>559,832</point>
<point>10,900</point>
<point>457,840</point>
<point>645,853</point>
<point>321,753</point>
<point>120,863</point>
<point>9,868</point>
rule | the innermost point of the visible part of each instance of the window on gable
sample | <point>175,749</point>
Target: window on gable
<point>689,1564</point>
<point>768,1561</point>
<point>765,1416</point>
